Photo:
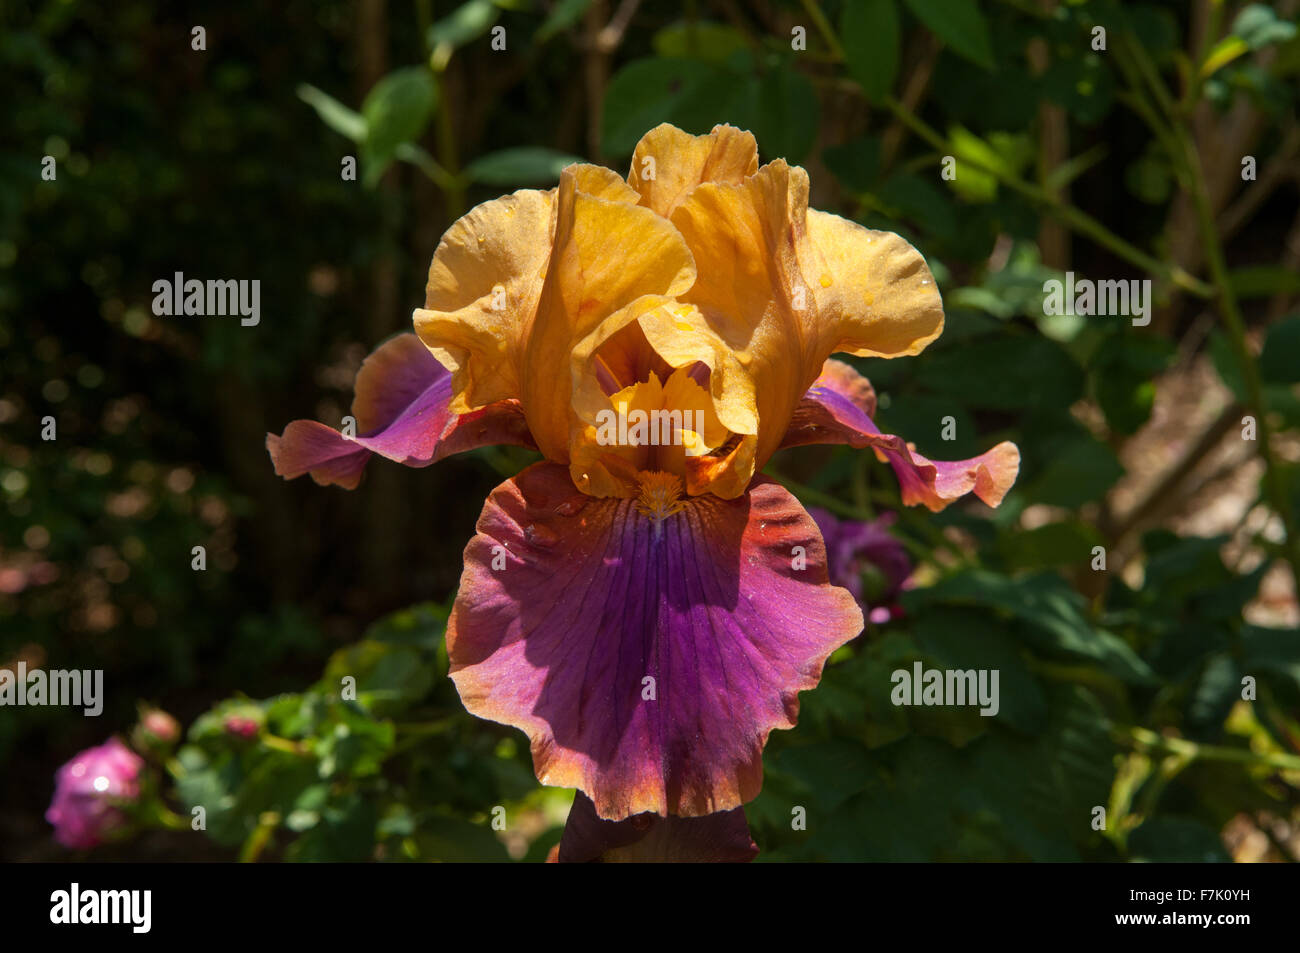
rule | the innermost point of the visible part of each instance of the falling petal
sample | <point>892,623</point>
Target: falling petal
<point>647,659</point>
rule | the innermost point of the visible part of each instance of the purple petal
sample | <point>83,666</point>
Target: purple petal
<point>838,409</point>
<point>402,412</point>
<point>647,662</point>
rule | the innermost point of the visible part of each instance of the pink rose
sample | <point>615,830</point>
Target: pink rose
<point>88,790</point>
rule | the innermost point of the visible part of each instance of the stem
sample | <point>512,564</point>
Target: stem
<point>814,11</point>
<point>449,153</point>
<point>283,744</point>
<point>258,839</point>
<point>1236,327</point>
<point>1071,216</point>
<point>1192,751</point>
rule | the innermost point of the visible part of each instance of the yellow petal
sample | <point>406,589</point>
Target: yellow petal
<point>874,294</point>
<point>744,241</point>
<point>607,254</point>
<point>786,287</point>
<point>668,163</point>
<point>657,334</point>
<point>484,285</point>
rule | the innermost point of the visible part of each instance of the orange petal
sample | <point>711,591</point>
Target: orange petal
<point>484,284</point>
<point>669,163</point>
<point>785,287</point>
<point>607,254</point>
<point>744,241</point>
<point>874,294</point>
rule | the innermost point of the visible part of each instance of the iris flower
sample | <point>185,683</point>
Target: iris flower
<point>864,558</point>
<point>648,612</point>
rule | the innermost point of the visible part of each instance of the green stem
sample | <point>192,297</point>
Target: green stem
<point>1236,327</point>
<point>1192,751</point>
<point>814,10</point>
<point>1071,216</point>
<point>448,153</point>
<point>259,838</point>
<point>283,744</point>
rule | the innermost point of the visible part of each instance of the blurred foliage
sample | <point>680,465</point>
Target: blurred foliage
<point>1121,687</point>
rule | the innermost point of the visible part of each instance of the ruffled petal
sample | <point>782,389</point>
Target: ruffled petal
<point>786,287</point>
<point>874,294</point>
<point>838,408</point>
<point>402,408</point>
<point>648,838</point>
<point>653,334</point>
<point>607,254</point>
<point>647,661</point>
<point>484,284</point>
<point>669,163</point>
<point>744,240</point>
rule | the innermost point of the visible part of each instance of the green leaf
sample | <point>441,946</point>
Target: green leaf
<point>333,113</point>
<point>1259,26</point>
<point>1071,169</point>
<point>345,833</point>
<point>998,371</point>
<point>1066,544</point>
<point>467,22</point>
<point>1225,362</point>
<point>959,640</point>
<point>1279,362</point>
<point>1052,613</point>
<point>388,677</point>
<point>1224,52</point>
<point>699,40</point>
<point>646,92</point>
<point>396,111</point>
<point>1079,471</point>
<point>782,111</point>
<point>451,840</point>
<point>1272,650</point>
<point>829,772</point>
<point>855,163</point>
<point>1123,373</point>
<point>1177,840</point>
<point>1150,178</point>
<point>525,165</point>
<point>960,24</point>
<point>562,16</point>
<point>871,36</point>
<point>1003,153</point>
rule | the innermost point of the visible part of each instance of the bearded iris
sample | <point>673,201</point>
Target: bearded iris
<point>648,611</point>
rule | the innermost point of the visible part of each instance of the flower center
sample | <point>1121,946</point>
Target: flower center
<point>659,495</point>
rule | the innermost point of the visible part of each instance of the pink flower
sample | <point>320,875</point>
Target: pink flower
<point>241,726</point>
<point>157,729</point>
<point>866,559</point>
<point>88,791</point>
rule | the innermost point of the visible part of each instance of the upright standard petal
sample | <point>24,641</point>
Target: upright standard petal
<point>668,163</point>
<point>838,409</point>
<point>484,284</point>
<point>647,657</point>
<point>786,287</point>
<point>402,410</point>
<point>607,254</point>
